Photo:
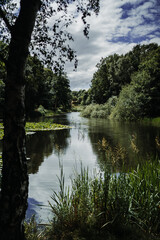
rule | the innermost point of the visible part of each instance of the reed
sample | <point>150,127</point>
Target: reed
<point>108,205</point>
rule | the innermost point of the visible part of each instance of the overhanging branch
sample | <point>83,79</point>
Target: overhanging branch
<point>5,19</point>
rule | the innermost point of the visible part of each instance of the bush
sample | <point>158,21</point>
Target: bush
<point>130,105</point>
<point>86,112</point>
<point>99,111</point>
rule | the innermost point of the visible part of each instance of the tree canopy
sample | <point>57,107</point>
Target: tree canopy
<point>115,71</point>
<point>132,79</point>
<point>50,37</point>
<point>39,28</point>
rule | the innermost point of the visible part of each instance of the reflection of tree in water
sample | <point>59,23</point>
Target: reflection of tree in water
<point>137,139</point>
<point>42,144</point>
<point>97,139</point>
<point>60,141</point>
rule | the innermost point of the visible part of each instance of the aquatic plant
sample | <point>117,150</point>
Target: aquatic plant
<point>105,204</point>
<point>37,126</point>
<point>44,126</point>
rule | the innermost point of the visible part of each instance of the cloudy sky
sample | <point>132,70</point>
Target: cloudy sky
<point>120,25</point>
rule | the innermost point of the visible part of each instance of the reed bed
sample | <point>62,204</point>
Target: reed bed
<point>107,205</point>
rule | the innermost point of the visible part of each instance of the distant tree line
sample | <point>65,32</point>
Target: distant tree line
<point>132,80</point>
<point>82,97</point>
<point>43,87</point>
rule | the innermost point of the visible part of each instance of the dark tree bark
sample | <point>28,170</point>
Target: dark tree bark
<point>14,190</point>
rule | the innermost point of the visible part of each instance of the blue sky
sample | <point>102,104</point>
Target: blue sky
<point>120,25</point>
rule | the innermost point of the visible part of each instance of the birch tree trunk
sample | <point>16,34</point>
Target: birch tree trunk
<point>14,191</point>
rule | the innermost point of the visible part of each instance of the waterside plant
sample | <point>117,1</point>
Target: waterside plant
<point>99,110</point>
<point>108,206</point>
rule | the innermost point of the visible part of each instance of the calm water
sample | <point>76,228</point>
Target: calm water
<point>73,146</point>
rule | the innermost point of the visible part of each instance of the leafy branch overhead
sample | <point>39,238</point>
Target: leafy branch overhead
<point>51,36</point>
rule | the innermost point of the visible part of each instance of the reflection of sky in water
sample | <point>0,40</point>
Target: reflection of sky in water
<point>45,181</point>
<point>46,149</point>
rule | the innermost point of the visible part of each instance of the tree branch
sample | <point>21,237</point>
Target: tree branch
<point>5,19</point>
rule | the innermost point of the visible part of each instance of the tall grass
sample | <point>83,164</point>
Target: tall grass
<point>108,206</point>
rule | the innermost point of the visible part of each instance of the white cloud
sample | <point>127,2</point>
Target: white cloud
<point>106,29</point>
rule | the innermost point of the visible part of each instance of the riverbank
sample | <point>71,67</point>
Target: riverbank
<point>105,111</point>
<point>105,206</point>
<point>45,148</point>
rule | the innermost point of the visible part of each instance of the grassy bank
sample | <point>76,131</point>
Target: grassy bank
<point>106,206</point>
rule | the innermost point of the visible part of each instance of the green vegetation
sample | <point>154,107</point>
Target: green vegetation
<point>106,206</point>
<point>153,121</point>
<point>99,110</point>
<point>133,80</point>
<point>43,126</point>
<point>1,131</point>
<point>39,126</point>
<point>32,231</point>
<point>81,97</point>
<point>44,89</point>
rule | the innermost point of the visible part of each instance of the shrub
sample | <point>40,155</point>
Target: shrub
<point>88,110</point>
<point>130,104</point>
<point>99,111</point>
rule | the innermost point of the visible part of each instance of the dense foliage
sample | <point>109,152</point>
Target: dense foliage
<point>82,97</point>
<point>43,87</point>
<point>133,78</point>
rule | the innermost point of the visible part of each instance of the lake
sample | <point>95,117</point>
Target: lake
<point>71,147</point>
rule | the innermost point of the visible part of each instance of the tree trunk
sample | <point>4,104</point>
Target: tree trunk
<point>14,191</point>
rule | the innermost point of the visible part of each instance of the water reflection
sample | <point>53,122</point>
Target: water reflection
<point>123,134</point>
<point>46,149</point>
<point>32,203</point>
<point>44,144</point>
